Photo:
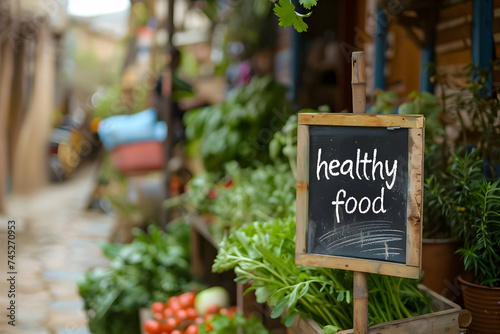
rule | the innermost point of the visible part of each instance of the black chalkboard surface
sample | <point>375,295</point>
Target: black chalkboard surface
<point>358,185</point>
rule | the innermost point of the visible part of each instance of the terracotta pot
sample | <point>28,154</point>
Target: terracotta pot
<point>441,266</point>
<point>484,304</point>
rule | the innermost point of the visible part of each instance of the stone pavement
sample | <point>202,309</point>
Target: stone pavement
<point>56,243</point>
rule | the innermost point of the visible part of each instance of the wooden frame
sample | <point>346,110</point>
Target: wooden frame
<point>415,126</point>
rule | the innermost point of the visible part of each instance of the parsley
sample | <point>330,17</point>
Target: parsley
<point>285,10</point>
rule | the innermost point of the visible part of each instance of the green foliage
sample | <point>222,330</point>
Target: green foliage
<point>254,194</point>
<point>383,102</point>
<point>482,112</point>
<point>470,206</point>
<point>110,101</point>
<point>285,10</point>
<point>93,70</point>
<point>240,128</point>
<point>283,147</point>
<point>263,254</point>
<point>223,324</point>
<point>153,267</point>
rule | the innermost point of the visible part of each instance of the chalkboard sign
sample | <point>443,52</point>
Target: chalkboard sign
<point>359,192</point>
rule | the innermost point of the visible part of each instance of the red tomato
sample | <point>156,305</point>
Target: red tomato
<point>176,331</point>
<point>223,311</point>
<point>229,183</point>
<point>192,329</point>
<point>180,316</point>
<point>157,307</point>
<point>212,194</point>
<point>208,317</point>
<point>213,309</point>
<point>198,321</point>
<point>174,304</point>
<point>152,327</point>
<point>170,324</point>
<point>167,313</point>
<point>232,311</point>
<point>171,300</point>
<point>187,300</point>
<point>191,313</point>
<point>158,315</point>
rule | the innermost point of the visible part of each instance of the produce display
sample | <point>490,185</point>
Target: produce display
<point>263,254</point>
<point>206,312</point>
<point>154,266</point>
<point>249,189</point>
<point>241,127</point>
<point>243,195</point>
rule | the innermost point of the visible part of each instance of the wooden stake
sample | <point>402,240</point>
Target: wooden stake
<point>360,287</point>
<point>360,294</point>
<point>358,83</point>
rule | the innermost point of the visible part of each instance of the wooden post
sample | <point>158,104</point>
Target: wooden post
<point>358,83</point>
<point>360,286</point>
<point>167,110</point>
<point>360,294</point>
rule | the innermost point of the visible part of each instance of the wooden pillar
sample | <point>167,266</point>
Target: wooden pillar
<point>166,109</point>
<point>482,38</point>
<point>380,48</point>
<point>30,153</point>
<point>6,75</point>
<point>347,10</point>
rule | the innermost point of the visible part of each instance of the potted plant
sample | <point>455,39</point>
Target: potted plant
<point>471,204</point>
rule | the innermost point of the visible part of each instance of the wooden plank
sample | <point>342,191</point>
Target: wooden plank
<point>302,202</point>
<point>453,12</point>
<point>196,264</point>
<point>403,121</point>
<point>455,46</point>
<point>200,224</point>
<point>496,25</point>
<point>353,264</point>
<point>448,35</point>
<point>415,197</point>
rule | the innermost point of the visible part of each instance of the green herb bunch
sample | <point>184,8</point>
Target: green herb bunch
<point>241,127</point>
<point>471,206</point>
<point>264,254</point>
<point>153,267</point>
<point>243,195</point>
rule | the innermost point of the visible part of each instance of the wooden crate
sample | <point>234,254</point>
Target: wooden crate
<point>443,320</point>
<point>203,253</point>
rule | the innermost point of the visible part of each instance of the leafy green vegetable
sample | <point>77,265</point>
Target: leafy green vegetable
<point>240,128</point>
<point>153,267</point>
<point>223,324</point>
<point>264,254</point>
<point>254,194</point>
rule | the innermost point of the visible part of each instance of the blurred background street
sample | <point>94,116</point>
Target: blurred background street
<point>57,242</point>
